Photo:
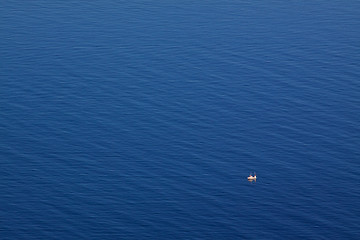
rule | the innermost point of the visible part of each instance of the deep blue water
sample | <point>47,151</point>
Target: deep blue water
<point>142,119</point>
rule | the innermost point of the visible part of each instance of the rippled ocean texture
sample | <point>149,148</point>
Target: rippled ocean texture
<point>142,119</point>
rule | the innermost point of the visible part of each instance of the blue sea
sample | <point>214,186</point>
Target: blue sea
<point>142,119</point>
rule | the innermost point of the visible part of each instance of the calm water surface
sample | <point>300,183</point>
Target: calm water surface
<point>142,119</point>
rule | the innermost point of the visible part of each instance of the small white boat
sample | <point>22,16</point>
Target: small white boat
<point>251,177</point>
